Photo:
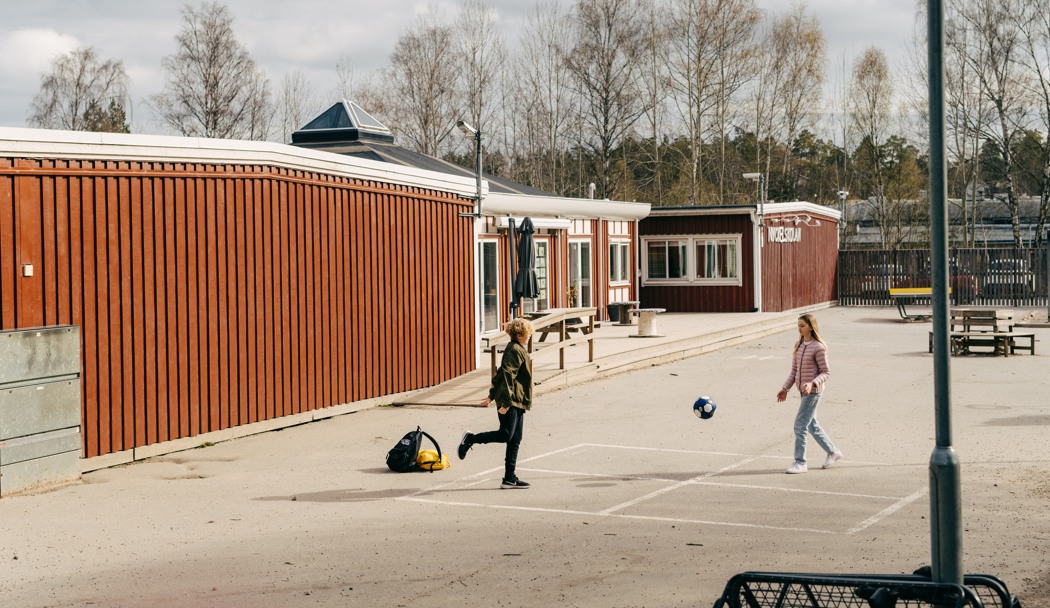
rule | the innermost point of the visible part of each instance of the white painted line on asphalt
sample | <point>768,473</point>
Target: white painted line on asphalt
<point>680,484</point>
<point>616,515</point>
<point>676,451</point>
<point>777,489</point>
<point>890,510</point>
<point>710,483</point>
<point>602,475</point>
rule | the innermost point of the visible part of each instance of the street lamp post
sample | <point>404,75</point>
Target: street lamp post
<point>760,178</point>
<point>470,131</point>
<point>842,220</point>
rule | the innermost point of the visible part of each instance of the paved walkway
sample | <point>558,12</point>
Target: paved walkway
<point>635,502</point>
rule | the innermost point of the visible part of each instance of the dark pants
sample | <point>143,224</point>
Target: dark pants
<point>509,432</point>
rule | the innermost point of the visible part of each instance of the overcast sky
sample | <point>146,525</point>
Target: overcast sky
<point>311,35</point>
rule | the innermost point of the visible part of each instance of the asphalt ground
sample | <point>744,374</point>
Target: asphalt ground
<point>634,500</point>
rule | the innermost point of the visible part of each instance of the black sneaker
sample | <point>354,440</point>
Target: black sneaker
<point>516,484</point>
<point>464,444</point>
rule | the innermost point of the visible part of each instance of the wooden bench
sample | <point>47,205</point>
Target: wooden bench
<point>902,296</point>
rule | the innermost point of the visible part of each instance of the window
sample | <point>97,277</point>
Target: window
<point>666,259</point>
<point>716,259</point>
<point>619,261</point>
<point>542,301</point>
<point>700,259</point>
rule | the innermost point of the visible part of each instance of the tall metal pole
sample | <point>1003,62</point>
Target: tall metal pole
<point>945,501</point>
<point>477,171</point>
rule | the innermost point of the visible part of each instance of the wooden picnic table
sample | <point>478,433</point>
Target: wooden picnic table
<point>971,327</point>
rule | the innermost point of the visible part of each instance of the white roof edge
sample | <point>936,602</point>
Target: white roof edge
<point>803,207</point>
<point>769,208</point>
<point>46,143</point>
<point>555,206</point>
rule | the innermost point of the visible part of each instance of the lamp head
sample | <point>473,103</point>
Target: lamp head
<point>752,176</point>
<point>467,130</point>
<point>842,193</point>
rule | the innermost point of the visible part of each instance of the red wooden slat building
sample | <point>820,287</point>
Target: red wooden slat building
<point>221,284</point>
<point>723,259</point>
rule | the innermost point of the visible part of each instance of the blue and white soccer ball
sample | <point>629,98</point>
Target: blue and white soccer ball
<point>704,407</point>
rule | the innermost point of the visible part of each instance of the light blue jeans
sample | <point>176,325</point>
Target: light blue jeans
<point>805,423</point>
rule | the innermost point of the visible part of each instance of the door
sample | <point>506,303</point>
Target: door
<point>580,274</point>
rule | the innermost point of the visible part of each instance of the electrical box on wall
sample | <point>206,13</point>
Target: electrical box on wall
<point>39,408</point>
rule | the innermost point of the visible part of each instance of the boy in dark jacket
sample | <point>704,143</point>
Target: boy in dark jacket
<point>512,393</point>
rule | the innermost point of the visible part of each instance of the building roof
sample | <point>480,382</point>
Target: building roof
<point>347,129</point>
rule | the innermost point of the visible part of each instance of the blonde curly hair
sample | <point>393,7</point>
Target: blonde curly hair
<point>518,328</point>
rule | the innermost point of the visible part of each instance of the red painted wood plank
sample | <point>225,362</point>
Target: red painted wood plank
<point>8,272</point>
<point>138,409</point>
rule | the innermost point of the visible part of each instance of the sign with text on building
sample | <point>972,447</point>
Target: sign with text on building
<point>784,234</point>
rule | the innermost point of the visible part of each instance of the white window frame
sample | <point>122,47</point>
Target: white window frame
<point>691,275</point>
<point>486,313</point>
<point>619,262</point>
<point>679,242</point>
<point>717,240</point>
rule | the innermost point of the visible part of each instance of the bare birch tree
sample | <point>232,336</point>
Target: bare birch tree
<point>993,56</point>
<point>1034,24</point>
<point>655,87</point>
<point>870,113</point>
<point>734,62</point>
<point>482,56</point>
<point>421,81</point>
<point>214,88</point>
<point>82,92</point>
<point>604,65</point>
<point>711,58</point>
<point>800,56</point>
<point>542,110</point>
<point>296,104</point>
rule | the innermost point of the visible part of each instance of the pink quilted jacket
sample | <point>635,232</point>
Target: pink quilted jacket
<point>810,364</point>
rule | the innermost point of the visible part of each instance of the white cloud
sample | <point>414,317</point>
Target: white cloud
<point>24,54</point>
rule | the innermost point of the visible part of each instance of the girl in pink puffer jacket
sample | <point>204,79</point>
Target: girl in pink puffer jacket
<point>809,372</point>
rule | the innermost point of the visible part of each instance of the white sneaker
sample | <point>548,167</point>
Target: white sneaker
<point>796,467</point>
<point>831,459</point>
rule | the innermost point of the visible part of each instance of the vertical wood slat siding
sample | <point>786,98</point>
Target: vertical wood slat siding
<point>800,273</point>
<point>214,296</point>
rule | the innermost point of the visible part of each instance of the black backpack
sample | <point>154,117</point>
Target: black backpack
<point>402,457</point>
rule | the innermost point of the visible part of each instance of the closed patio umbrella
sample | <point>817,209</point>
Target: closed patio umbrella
<point>525,283</point>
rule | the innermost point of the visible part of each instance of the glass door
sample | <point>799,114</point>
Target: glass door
<point>580,274</point>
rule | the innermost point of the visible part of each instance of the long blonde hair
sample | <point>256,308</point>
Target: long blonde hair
<point>814,331</point>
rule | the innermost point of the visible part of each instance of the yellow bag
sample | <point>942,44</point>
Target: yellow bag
<point>428,460</point>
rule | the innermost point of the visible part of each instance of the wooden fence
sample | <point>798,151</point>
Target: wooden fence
<point>212,296</point>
